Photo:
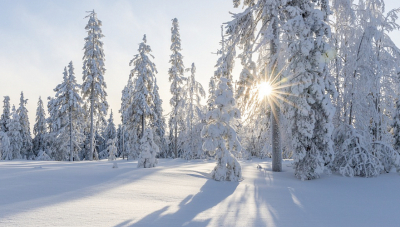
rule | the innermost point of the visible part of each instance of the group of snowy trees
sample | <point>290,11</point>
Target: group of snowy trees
<point>317,65</point>
<point>15,134</point>
<point>68,133</point>
<point>365,71</point>
<point>335,103</point>
<point>141,106</point>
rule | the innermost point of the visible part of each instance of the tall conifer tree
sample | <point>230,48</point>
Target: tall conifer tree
<point>26,149</point>
<point>93,87</point>
<point>176,78</point>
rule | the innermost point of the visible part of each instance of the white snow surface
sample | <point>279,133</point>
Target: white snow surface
<point>181,193</point>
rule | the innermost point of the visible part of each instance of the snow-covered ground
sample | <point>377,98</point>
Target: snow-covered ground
<point>180,193</point>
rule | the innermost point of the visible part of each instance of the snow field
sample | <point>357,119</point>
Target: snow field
<point>181,193</point>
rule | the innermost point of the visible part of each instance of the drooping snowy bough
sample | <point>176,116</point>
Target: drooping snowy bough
<point>149,150</point>
<point>220,137</point>
<point>356,156</point>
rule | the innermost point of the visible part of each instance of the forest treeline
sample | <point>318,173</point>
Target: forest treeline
<point>332,66</point>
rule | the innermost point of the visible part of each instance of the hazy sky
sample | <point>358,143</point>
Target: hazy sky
<point>39,38</point>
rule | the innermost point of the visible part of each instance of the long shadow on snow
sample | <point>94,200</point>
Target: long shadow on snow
<point>53,184</point>
<point>267,200</point>
<point>211,194</point>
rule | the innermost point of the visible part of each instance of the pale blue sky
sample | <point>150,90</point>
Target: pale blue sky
<point>39,38</point>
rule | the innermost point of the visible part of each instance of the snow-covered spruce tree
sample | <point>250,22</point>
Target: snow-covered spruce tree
<point>112,149</point>
<point>149,150</point>
<point>311,90</point>
<point>26,149</point>
<point>66,117</point>
<point>14,135</point>
<point>5,116</point>
<point>93,87</point>
<point>131,123</point>
<point>194,92</point>
<point>75,114</point>
<point>57,138</point>
<point>144,75</point>
<point>39,129</point>
<point>5,149</point>
<point>176,78</point>
<point>139,104</point>
<point>125,99</point>
<point>220,137</point>
<point>157,123</point>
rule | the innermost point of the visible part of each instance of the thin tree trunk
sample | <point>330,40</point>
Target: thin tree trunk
<point>351,110</point>
<point>70,135</point>
<point>354,78</point>
<point>337,81</point>
<point>176,126</point>
<point>276,137</point>
<point>176,140</point>
<point>91,123</point>
<point>191,129</point>
<point>142,126</point>
<point>123,141</point>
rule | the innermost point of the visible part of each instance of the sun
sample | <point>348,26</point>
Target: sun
<point>265,89</point>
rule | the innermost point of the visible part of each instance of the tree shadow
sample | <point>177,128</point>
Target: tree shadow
<point>199,174</point>
<point>264,199</point>
<point>59,182</point>
<point>211,194</point>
